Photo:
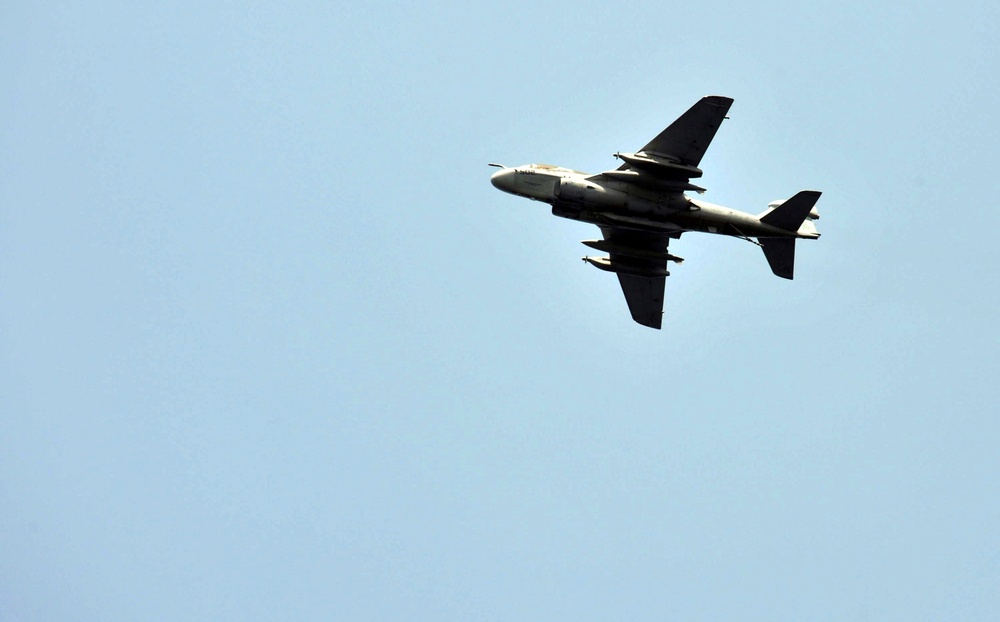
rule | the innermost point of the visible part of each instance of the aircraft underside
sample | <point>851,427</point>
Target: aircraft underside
<point>642,205</point>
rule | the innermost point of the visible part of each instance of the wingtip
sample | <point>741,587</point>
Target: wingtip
<point>720,100</point>
<point>650,321</point>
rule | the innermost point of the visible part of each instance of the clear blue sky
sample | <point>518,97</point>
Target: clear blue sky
<point>272,347</point>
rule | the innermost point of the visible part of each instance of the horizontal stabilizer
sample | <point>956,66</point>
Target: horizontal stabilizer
<point>791,214</point>
<point>780,253</point>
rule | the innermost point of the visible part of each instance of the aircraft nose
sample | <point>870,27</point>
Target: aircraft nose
<point>503,180</point>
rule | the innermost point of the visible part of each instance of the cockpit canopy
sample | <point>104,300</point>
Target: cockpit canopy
<point>555,169</point>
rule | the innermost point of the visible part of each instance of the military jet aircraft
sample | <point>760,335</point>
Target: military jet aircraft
<point>642,205</point>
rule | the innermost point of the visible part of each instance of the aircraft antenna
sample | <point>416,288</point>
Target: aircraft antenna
<point>743,237</point>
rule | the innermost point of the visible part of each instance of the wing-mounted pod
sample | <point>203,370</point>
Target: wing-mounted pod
<point>621,267</point>
<point>659,165</point>
<point>641,178</point>
<point>631,251</point>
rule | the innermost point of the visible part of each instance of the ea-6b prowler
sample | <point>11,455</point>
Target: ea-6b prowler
<point>641,205</point>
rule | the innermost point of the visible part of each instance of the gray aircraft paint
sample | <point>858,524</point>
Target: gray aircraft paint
<point>642,205</point>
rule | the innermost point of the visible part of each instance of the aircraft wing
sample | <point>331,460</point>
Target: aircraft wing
<point>688,137</point>
<point>641,258</point>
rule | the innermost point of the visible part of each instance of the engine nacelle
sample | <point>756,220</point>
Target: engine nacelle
<point>589,194</point>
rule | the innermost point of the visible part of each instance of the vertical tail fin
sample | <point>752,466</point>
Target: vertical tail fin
<point>792,213</point>
<point>780,253</point>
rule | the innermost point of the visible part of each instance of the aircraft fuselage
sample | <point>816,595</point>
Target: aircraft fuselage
<point>662,207</point>
<point>643,204</point>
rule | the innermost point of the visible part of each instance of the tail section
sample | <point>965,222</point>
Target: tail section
<point>789,215</point>
<point>797,215</point>
<point>780,253</point>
